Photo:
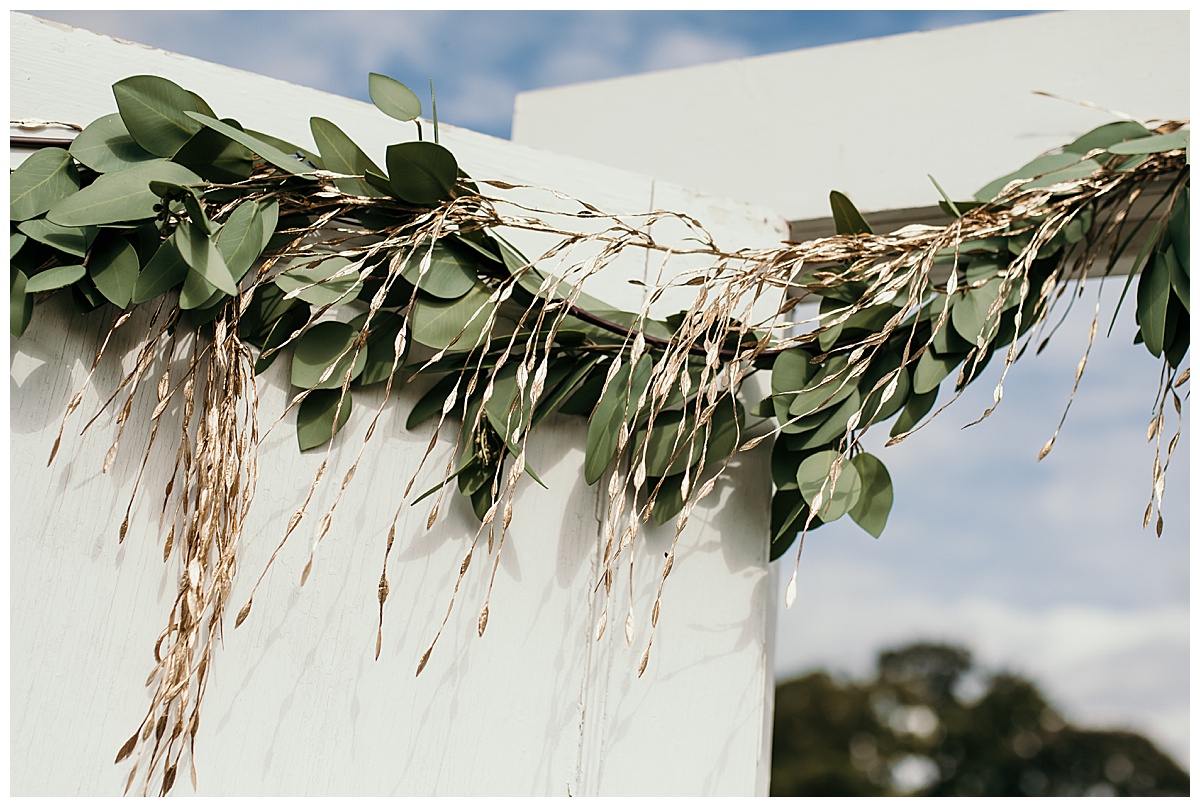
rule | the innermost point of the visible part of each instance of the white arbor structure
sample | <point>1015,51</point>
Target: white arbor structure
<point>296,702</point>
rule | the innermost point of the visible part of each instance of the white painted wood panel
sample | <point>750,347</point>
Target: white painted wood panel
<point>296,702</point>
<point>872,118</point>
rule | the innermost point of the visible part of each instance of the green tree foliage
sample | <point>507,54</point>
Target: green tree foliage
<point>914,730</point>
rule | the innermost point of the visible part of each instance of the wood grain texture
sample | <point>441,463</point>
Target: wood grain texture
<point>297,705</point>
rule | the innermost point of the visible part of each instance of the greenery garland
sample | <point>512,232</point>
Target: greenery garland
<point>165,205</point>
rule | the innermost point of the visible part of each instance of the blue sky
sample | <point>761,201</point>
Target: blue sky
<point>1042,568</point>
<point>479,60</point>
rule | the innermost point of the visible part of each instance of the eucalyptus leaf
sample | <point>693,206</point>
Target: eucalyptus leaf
<point>381,346</point>
<point>969,314</point>
<point>875,502</point>
<point>105,145</point>
<point>932,368</point>
<point>216,157</point>
<point>421,173</point>
<point>114,269</point>
<point>827,389</point>
<point>669,500</point>
<point>288,322</point>
<point>44,179</point>
<point>341,155</point>
<point>71,240</point>
<point>269,218</point>
<point>201,254</point>
<point>305,272</point>
<point>616,406</point>
<point>792,371</point>
<point>315,419</point>
<point>1104,136</point>
<point>197,292</point>
<point>164,271</point>
<point>846,217</point>
<point>20,303</point>
<point>918,406</point>
<point>452,324</point>
<point>1154,290</point>
<point>1042,165</point>
<point>260,147</point>
<point>789,512</point>
<point>240,239</point>
<point>830,423</point>
<point>836,500</point>
<point>784,464</point>
<point>56,277</point>
<point>450,274</point>
<point>319,348</point>
<point>1154,144</point>
<point>431,402</point>
<point>120,195</point>
<point>155,113</point>
<point>393,98</point>
<point>1180,281</point>
<point>15,242</point>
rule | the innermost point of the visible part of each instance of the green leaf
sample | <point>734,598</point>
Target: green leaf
<point>114,269</point>
<point>431,402</point>
<point>326,292</point>
<point>875,502</point>
<point>791,371</point>
<point>846,217</point>
<point>393,98</point>
<point>342,156</point>
<point>56,277</point>
<point>20,303</point>
<point>105,145</point>
<point>421,173</point>
<point>201,254</point>
<point>1104,136</point>
<point>164,271</point>
<point>121,195</point>
<point>669,501</point>
<point>837,500</point>
<point>260,147</point>
<point>453,324</point>
<point>319,348</point>
<point>1154,290</point>
<point>71,240</point>
<point>381,345</point>
<point>240,239</point>
<point>1180,281</point>
<point>512,425</point>
<point>155,112</point>
<point>616,406</point>
<point>315,424</point>
<point>969,313</point>
<point>931,369</point>
<point>1154,144</point>
<point>830,424</point>
<point>784,464</point>
<point>827,389</point>
<point>47,177</point>
<point>15,242</point>
<point>450,275</point>
<point>1042,165</point>
<point>789,512</point>
<point>288,322</point>
<point>1079,170</point>
<point>215,157</point>
<point>918,406</point>
<point>269,217</point>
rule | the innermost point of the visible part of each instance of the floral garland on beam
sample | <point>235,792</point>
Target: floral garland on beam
<point>165,205</point>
